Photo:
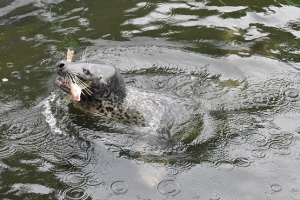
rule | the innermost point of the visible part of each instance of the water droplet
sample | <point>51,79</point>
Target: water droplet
<point>273,174</point>
<point>257,139</point>
<point>259,173</point>
<point>74,179</point>
<point>242,162</point>
<point>39,37</point>
<point>274,132</point>
<point>26,88</point>
<point>28,68</point>
<point>39,3</point>
<point>283,151</point>
<point>168,188</point>
<point>276,187</point>
<point>75,194</point>
<point>119,187</point>
<point>258,154</point>
<point>224,165</point>
<point>172,171</point>
<point>83,21</point>
<point>193,193</point>
<point>9,64</point>
<point>214,196</point>
<point>15,74</point>
<point>94,181</point>
<point>292,93</point>
<point>292,175</point>
<point>219,178</point>
<point>294,195</point>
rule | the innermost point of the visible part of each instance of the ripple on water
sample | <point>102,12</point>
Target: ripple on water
<point>276,187</point>
<point>257,153</point>
<point>257,139</point>
<point>292,175</point>
<point>81,159</point>
<point>193,193</point>
<point>249,197</point>
<point>271,189</point>
<point>259,173</point>
<point>242,162</point>
<point>168,188</point>
<point>73,194</point>
<point>292,93</point>
<point>279,142</point>
<point>294,195</point>
<point>119,187</point>
<point>7,151</point>
<point>214,196</point>
<point>75,179</point>
<point>83,22</point>
<point>224,165</point>
<point>39,3</point>
<point>16,74</point>
<point>172,171</point>
<point>93,180</point>
<point>9,64</point>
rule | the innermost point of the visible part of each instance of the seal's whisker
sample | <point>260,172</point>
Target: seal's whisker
<point>72,78</point>
<point>82,84</point>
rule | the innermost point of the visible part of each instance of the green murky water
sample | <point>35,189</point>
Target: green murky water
<point>232,66</point>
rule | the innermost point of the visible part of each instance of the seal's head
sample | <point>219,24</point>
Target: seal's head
<point>91,81</point>
<point>97,87</point>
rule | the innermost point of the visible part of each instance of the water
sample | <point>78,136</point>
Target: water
<point>233,65</point>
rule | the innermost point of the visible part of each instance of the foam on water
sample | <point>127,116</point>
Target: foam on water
<point>50,118</point>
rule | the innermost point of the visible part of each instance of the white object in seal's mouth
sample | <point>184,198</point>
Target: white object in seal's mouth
<point>75,91</point>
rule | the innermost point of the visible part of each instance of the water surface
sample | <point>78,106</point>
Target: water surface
<point>232,66</point>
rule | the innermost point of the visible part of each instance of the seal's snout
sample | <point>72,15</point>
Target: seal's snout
<point>60,65</point>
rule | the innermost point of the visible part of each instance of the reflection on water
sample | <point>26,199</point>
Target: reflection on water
<point>228,70</point>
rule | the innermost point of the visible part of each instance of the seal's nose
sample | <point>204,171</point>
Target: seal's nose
<point>60,65</point>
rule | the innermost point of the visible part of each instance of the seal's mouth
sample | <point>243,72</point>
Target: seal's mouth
<point>63,84</point>
<point>70,87</point>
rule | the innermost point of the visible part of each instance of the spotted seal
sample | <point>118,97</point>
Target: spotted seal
<point>97,87</point>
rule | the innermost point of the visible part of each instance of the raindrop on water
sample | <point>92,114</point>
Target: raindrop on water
<point>193,193</point>
<point>172,171</point>
<point>74,179</point>
<point>214,196</point>
<point>242,162</point>
<point>75,194</point>
<point>168,188</point>
<point>294,195</point>
<point>292,93</point>
<point>9,64</point>
<point>16,74</point>
<point>224,165</point>
<point>26,88</point>
<point>276,187</point>
<point>83,21</point>
<point>292,175</point>
<point>119,187</point>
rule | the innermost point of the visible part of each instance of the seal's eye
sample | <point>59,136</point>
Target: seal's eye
<point>86,72</point>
